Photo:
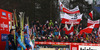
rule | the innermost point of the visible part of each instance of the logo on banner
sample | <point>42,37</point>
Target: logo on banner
<point>74,48</point>
<point>8,15</point>
<point>3,25</point>
<point>87,48</point>
<point>3,13</point>
<point>3,37</point>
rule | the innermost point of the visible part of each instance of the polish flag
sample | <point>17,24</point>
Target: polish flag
<point>91,14</point>
<point>73,11</point>
<point>70,30</point>
<point>70,11</point>
<point>90,22</point>
<point>59,35</point>
<point>99,31</point>
<point>71,19</point>
<point>88,29</point>
<point>61,6</point>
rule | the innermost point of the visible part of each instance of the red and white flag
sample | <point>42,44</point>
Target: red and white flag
<point>71,19</point>
<point>91,14</point>
<point>68,31</point>
<point>59,35</point>
<point>67,26</point>
<point>90,22</point>
<point>70,11</point>
<point>99,31</point>
<point>87,30</point>
<point>73,11</point>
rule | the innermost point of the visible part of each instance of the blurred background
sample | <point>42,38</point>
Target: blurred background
<point>49,9</point>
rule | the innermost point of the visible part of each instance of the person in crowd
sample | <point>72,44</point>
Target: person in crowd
<point>56,33</point>
<point>32,41</point>
<point>27,40</point>
<point>45,32</point>
<point>62,32</point>
<point>47,24</point>
<point>51,23</point>
<point>56,24</point>
<point>37,23</point>
<point>10,39</point>
<point>17,30</point>
<point>20,43</point>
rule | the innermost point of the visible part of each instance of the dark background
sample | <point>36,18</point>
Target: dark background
<point>44,10</point>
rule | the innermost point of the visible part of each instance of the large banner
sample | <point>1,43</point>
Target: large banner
<point>90,22</point>
<point>71,19</point>
<point>70,11</point>
<point>4,27</point>
<point>69,46</point>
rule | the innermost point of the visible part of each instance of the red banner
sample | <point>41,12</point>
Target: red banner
<point>69,21</point>
<point>4,27</point>
<point>73,46</point>
<point>70,11</point>
<point>66,43</point>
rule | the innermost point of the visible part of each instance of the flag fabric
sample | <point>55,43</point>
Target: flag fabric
<point>98,31</point>
<point>70,30</point>
<point>59,35</point>
<point>91,14</point>
<point>61,6</point>
<point>70,11</point>
<point>71,19</point>
<point>67,26</point>
<point>73,11</point>
<point>88,29</point>
<point>90,22</point>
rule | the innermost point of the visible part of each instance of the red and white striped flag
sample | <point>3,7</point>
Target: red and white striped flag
<point>70,11</point>
<point>59,35</point>
<point>91,14</point>
<point>99,31</point>
<point>68,31</point>
<point>88,29</point>
<point>90,22</point>
<point>71,19</point>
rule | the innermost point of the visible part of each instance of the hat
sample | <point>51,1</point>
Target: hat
<point>55,21</point>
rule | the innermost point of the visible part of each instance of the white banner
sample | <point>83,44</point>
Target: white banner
<point>66,16</point>
<point>71,19</point>
<point>89,47</point>
<point>67,10</point>
<point>93,22</point>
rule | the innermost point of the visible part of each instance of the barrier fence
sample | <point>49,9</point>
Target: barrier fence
<point>69,46</point>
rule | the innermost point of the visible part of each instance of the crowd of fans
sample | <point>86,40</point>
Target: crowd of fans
<point>48,32</point>
<point>53,32</point>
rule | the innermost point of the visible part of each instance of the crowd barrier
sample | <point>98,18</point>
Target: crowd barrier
<point>70,46</point>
